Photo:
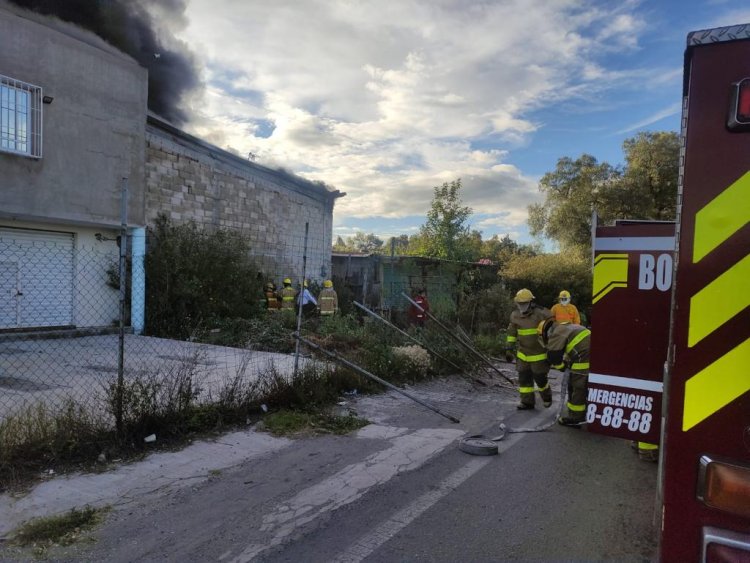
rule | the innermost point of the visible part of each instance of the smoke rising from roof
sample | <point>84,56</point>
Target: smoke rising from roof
<point>128,26</point>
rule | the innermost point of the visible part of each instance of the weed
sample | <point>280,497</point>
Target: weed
<point>287,422</point>
<point>63,529</point>
<point>35,438</point>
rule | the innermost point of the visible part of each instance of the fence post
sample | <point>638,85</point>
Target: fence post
<point>300,300</point>
<point>123,295</point>
<point>390,297</point>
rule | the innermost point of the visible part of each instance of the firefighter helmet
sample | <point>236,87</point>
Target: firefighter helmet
<point>543,328</point>
<point>287,281</point>
<point>328,283</point>
<point>270,286</point>
<point>564,294</point>
<point>523,296</point>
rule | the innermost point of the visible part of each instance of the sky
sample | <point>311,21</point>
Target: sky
<point>386,99</point>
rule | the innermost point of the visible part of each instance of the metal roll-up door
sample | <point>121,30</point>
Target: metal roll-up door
<point>36,278</point>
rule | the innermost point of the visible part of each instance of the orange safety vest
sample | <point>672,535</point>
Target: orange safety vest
<point>565,314</point>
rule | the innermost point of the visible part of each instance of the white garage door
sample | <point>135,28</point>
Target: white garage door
<point>36,278</point>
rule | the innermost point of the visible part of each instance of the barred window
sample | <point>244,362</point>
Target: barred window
<point>20,117</point>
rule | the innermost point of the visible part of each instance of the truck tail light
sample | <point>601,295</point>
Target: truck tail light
<point>739,106</point>
<point>725,546</point>
<point>725,486</point>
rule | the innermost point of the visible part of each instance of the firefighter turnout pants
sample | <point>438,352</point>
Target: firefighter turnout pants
<point>578,386</point>
<point>530,373</point>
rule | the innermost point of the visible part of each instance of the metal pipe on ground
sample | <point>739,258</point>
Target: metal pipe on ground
<point>457,339</point>
<point>361,371</point>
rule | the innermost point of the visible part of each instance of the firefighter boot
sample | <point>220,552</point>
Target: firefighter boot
<point>573,422</point>
<point>525,407</point>
<point>648,452</point>
<point>546,395</point>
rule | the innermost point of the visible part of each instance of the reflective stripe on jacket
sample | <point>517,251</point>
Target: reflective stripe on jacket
<point>522,329</point>
<point>566,313</point>
<point>329,301</point>
<point>287,298</point>
<point>571,341</point>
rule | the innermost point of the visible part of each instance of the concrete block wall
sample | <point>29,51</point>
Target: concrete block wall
<point>191,181</point>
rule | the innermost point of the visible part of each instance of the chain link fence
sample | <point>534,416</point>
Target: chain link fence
<point>77,326</point>
<point>139,325</point>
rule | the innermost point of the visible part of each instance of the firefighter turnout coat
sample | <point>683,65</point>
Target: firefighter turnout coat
<point>531,357</point>
<point>328,301</point>
<point>571,343</point>
<point>287,298</point>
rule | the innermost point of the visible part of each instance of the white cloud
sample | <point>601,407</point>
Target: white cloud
<point>385,100</point>
<point>673,109</point>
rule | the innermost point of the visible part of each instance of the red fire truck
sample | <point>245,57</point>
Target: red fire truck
<point>670,345</point>
<point>704,481</point>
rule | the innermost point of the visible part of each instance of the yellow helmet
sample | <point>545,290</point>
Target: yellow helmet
<point>287,281</point>
<point>328,283</point>
<point>564,294</point>
<point>523,296</point>
<point>543,327</point>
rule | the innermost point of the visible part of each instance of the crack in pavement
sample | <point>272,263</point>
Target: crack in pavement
<point>406,453</point>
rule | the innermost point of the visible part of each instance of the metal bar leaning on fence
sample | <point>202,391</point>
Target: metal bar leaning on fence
<point>467,340</point>
<point>347,363</point>
<point>409,336</point>
<point>457,339</point>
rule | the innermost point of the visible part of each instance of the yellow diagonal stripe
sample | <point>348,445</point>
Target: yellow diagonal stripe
<point>717,385</point>
<point>610,271</point>
<point>719,301</point>
<point>721,217</point>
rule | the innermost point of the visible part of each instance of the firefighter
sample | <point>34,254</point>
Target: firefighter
<point>287,295</point>
<point>328,300</point>
<point>565,311</point>
<point>531,359</point>
<point>272,300</point>
<point>568,346</point>
<point>417,316</point>
<point>646,451</point>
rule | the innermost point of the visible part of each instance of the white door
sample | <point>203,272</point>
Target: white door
<point>44,278</point>
<point>9,294</point>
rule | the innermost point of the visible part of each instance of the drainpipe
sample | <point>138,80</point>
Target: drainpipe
<point>138,280</point>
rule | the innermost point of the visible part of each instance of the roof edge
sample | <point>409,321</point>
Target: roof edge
<point>219,153</point>
<point>719,34</point>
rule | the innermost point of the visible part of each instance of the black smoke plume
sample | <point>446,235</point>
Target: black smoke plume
<point>127,25</point>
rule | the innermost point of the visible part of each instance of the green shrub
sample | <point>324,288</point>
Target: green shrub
<point>546,274</point>
<point>195,278</point>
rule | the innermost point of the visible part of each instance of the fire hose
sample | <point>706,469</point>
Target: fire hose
<point>480,444</point>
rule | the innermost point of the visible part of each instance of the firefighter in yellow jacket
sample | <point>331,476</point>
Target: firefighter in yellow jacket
<point>328,301</point>
<point>568,345</point>
<point>287,295</point>
<point>531,358</point>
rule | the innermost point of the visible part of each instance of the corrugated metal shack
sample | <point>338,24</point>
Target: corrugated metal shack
<point>379,280</point>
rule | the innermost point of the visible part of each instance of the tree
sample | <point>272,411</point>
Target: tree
<point>571,193</point>
<point>400,245</point>
<point>645,189</point>
<point>340,245</point>
<point>652,172</point>
<point>445,234</point>
<point>362,242</point>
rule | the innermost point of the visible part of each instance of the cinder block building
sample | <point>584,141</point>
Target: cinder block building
<point>74,124</point>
